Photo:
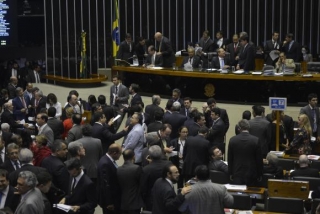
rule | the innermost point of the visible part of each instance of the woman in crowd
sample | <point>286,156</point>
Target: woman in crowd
<point>53,102</point>
<point>40,150</point>
<point>67,123</point>
<point>283,140</point>
<point>307,57</point>
<point>301,141</point>
<point>177,146</point>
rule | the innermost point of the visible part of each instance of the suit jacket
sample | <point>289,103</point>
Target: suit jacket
<point>134,99</point>
<point>151,173</point>
<point>93,149</point>
<point>27,167</point>
<point>294,52</point>
<point>32,203</point>
<point>7,165</point>
<point>31,78</point>
<point>17,106</point>
<point>165,200</point>
<point>176,120</point>
<point>105,135</point>
<point>205,190</point>
<point>47,131</point>
<point>74,133</point>
<point>193,129</point>
<point>36,108</point>
<point>247,58</point>
<point>216,134</point>
<point>12,199</point>
<point>223,115</point>
<point>309,112</point>
<point>56,126</point>
<point>11,91</point>
<point>259,128</point>
<point>124,52</point>
<point>195,63</point>
<point>150,109</point>
<point>207,46</point>
<point>216,62</point>
<point>83,195</point>
<point>141,50</point>
<point>129,176</point>
<point>108,185</point>
<point>58,170</point>
<point>225,42</point>
<point>233,52</point>
<point>155,126</point>
<point>289,64</point>
<point>268,48</point>
<point>244,158</point>
<point>8,117</point>
<point>123,95</point>
<point>195,153</point>
<point>305,172</point>
<point>158,61</point>
<point>167,51</point>
<point>218,165</point>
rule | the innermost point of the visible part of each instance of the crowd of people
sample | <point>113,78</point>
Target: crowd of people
<point>52,156</point>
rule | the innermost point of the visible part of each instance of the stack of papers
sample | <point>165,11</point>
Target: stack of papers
<point>235,187</point>
<point>239,72</point>
<point>63,207</point>
<point>307,75</point>
<point>313,157</point>
<point>256,73</point>
<point>277,153</point>
<point>268,73</point>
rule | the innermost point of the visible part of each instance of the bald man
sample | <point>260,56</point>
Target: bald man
<point>164,48</point>
<point>304,169</point>
<point>108,187</point>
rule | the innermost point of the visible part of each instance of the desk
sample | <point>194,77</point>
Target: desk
<point>234,87</point>
<point>254,192</point>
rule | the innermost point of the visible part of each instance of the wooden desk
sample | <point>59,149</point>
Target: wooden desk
<point>263,212</point>
<point>254,192</point>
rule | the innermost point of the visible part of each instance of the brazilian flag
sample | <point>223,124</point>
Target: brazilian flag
<point>115,27</point>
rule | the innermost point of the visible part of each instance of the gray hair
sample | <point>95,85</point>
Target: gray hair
<point>272,159</point>
<point>30,178</point>
<point>25,156</point>
<point>74,147</point>
<point>244,124</point>
<point>57,145</point>
<point>39,93</point>
<point>5,127</point>
<point>176,106</point>
<point>243,33</point>
<point>12,146</point>
<point>155,152</point>
<point>156,99</point>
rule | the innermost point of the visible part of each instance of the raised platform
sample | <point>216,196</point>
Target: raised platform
<point>95,80</point>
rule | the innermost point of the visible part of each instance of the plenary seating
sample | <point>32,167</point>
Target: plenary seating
<point>264,180</point>
<point>285,205</point>
<point>313,66</point>
<point>219,177</point>
<point>286,164</point>
<point>241,201</point>
<point>314,205</point>
<point>314,183</point>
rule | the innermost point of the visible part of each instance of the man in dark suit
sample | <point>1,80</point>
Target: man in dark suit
<point>141,50</point>
<point>20,105</point>
<point>312,111</point>
<point>191,61</point>
<point>56,167</point>
<point>304,169</point>
<point>135,97</point>
<point>259,128</point>
<point>126,49</point>
<point>220,41</point>
<point>8,117</point>
<point>129,175</point>
<point>11,200</point>
<point>75,132</point>
<point>234,48</point>
<point>198,122</point>
<point>157,124</point>
<point>212,103</point>
<point>109,192</point>
<point>175,119</point>
<point>216,162</point>
<point>55,124</point>
<point>100,130</point>
<point>151,173</point>
<point>93,149</point>
<point>12,87</point>
<point>150,109</point>
<point>207,45</point>
<point>153,60</point>
<point>81,194</point>
<point>165,199</point>
<point>217,131</point>
<point>247,55</point>
<point>164,48</point>
<point>37,103</point>
<point>107,109</point>
<point>244,157</point>
<point>272,45</point>
<point>221,62</point>
<point>34,76</point>
<point>12,162</point>
<point>195,153</point>
<point>291,48</point>
<point>25,158</point>
<point>187,102</point>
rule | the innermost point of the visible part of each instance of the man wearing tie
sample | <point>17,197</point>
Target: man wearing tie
<point>12,162</point>
<point>7,196</point>
<point>246,57</point>
<point>233,48</point>
<point>217,131</point>
<point>191,61</point>
<point>164,48</point>
<point>153,60</point>
<point>126,49</point>
<point>221,62</point>
<point>187,105</point>
<point>20,105</point>
<point>273,44</point>
<point>312,111</point>
<point>292,48</point>
<point>34,75</point>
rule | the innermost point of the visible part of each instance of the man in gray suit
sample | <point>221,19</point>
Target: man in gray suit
<point>43,127</point>
<point>93,150</point>
<point>129,175</point>
<point>31,197</point>
<point>55,124</point>
<point>119,96</point>
<point>75,132</point>
<point>259,128</point>
<point>312,111</point>
<point>205,196</point>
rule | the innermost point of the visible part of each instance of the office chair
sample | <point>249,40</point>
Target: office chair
<point>285,205</point>
<point>219,177</point>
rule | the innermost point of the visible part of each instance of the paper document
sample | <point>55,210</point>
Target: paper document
<point>116,118</point>
<point>239,72</point>
<point>63,207</point>
<point>273,54</point>
<point>245,212</point>
<point>235,187</point>
<point>22,121</point>
<point>256,73</point>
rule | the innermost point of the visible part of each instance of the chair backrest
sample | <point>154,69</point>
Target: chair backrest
<point>264,180</point>
<point>241,201</point>
<point>288,188</point>
<point>315,164</point>
<point>314,205</point>
<point>145,212</point>
<point>219,177</point>
<point>313,66</point>
<point>285,205</point>
<point>314,183</point>
<point>268,67</point>
<point>298,67</point>
<point>286,164</point>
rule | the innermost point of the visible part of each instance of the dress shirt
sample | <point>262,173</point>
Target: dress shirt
<point>4,197</point>
<point>219,43</point>
<point>2,154</point>
<point>41,128</point>
<point>77,179</point>
<point>58,107</point>
<point>29,94</point>
<point>14,72</point>
<point>16,165</point>
<point>37,77</point>
<point>221,60</point>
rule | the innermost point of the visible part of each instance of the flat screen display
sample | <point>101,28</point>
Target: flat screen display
<point>7,22</point>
